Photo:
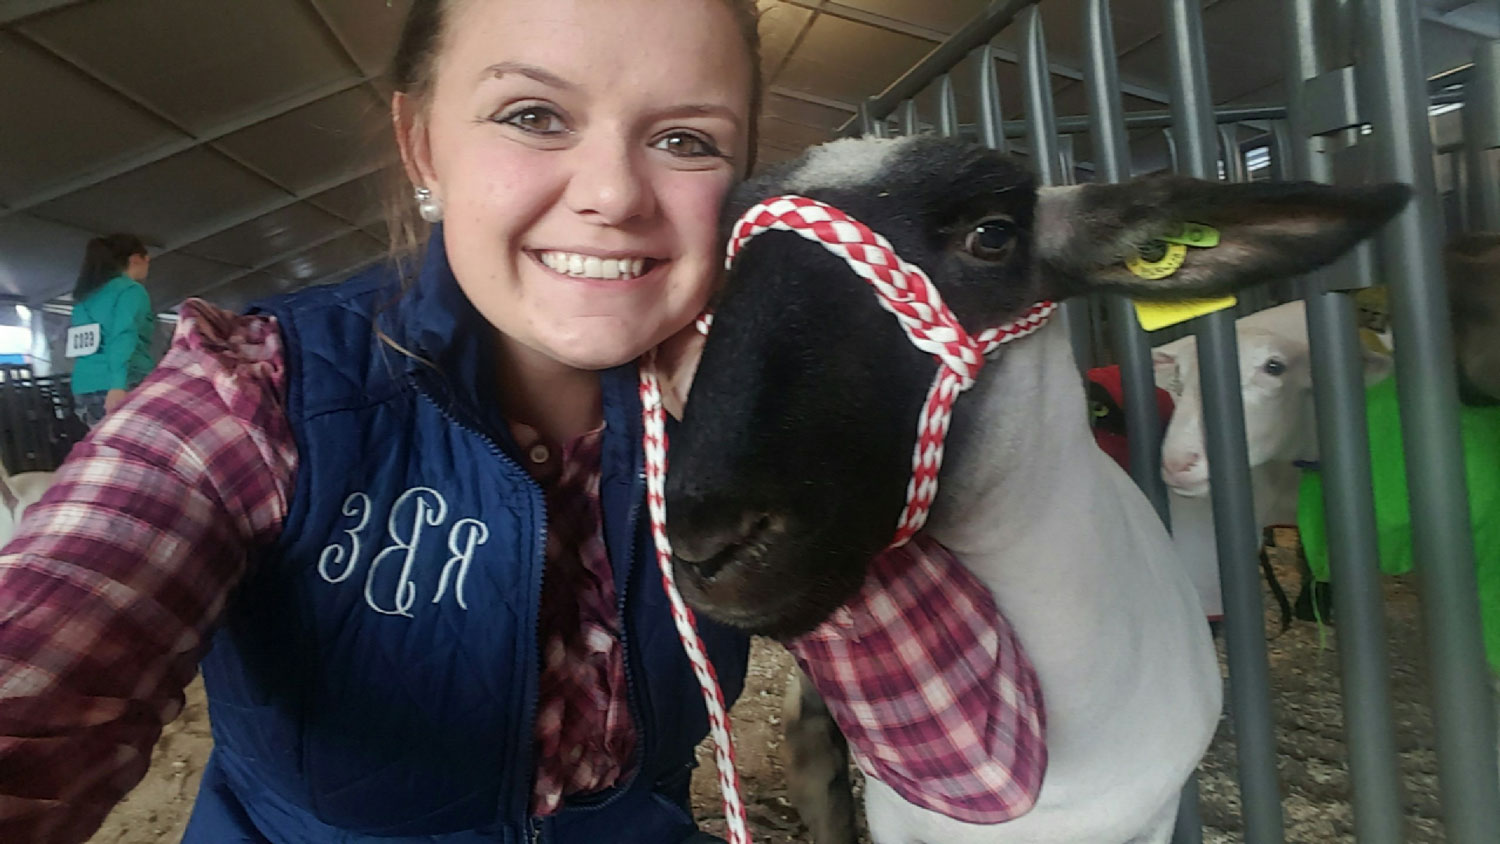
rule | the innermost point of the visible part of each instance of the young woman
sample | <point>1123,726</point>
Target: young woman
<point>110,340</point>
<point>399,520</point>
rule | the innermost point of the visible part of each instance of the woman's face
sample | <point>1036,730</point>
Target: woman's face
<point>581,150</point>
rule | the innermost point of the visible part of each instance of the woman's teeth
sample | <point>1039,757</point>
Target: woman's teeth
<point>589,266</point>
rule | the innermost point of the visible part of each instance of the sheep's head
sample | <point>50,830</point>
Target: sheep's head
<point>792,461</point>
<point>1275,391</point>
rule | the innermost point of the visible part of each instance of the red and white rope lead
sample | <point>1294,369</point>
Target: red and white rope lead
<point>654,439</point>
<point>907,293</point>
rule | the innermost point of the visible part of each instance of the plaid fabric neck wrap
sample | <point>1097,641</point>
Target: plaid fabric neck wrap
<point>930,685</point>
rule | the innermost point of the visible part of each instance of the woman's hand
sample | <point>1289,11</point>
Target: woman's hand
<point>113,399</point>
<point>676,362</point>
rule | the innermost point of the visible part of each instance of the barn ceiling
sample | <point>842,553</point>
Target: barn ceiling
<point>244,140</point>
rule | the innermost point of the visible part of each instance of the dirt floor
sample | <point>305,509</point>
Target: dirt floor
<point>1304,673</point>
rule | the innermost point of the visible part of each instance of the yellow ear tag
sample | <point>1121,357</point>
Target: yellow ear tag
<point>1194,234</point>
<point>1157,260</point>
<point>1156,315</point>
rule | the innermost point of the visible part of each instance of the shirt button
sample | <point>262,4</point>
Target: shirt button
<point>539,453</point>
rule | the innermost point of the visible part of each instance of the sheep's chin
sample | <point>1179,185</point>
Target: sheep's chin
<point>1192,489</point>
<point>764,604</point>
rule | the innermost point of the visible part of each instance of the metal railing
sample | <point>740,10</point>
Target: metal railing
<point>1317,134</point>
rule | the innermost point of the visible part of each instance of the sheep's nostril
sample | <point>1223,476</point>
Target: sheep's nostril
<point>708,551</point>
<point>1182,463</point>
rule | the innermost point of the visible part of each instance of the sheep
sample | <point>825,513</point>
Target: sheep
<point>1280,434</point>
<point>18,492</point>
<point>793,455</point>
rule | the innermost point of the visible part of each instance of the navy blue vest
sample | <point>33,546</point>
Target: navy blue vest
<point>376,674</point>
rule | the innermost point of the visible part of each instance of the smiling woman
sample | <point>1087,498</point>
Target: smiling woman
<point>422,563</point>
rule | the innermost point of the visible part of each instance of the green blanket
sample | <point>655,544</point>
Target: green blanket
<point>1481,442</point>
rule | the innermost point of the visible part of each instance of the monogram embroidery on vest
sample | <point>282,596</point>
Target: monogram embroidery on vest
<point>390,588</point>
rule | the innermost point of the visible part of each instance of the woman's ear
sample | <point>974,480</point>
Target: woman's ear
<point>410,125</point>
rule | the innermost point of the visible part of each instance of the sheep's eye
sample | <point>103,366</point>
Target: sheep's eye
<point>1275,366</point>
<point>991,240</point>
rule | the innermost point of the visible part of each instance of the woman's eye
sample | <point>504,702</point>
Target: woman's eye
<point>990,240</point>
<point>536,120</point>
<point>687,145</point>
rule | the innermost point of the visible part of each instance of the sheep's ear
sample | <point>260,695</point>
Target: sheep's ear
<point>1265,230</point>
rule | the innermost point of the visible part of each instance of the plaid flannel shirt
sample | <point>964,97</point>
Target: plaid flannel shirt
<point>113,584</point>
<point>930,685</point>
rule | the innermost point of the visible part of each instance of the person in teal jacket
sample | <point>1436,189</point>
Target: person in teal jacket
<point>110,338</point>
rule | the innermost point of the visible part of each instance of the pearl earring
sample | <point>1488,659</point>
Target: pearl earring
<point>429,207</point>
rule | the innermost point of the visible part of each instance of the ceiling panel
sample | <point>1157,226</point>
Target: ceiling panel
<point>258,241</point>
<point>849,61</point>
<point>780,24</point>
<point>305,147</point>
<point>166,202</point>
<point>244,290</point>
<point>804,112</point>
<point>330,257</point>
<point>68,142</point>
<point>369,30</point>
<point>39,259</point>
<point>200,63</point>
<point>174,273</point>
<point>946,17</point>
<point>356,201</point>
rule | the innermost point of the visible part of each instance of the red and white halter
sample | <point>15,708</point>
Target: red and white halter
<point>908,294</point>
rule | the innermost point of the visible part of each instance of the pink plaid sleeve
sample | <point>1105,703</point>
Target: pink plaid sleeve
<point>111,587</point>
<point>930,684</point>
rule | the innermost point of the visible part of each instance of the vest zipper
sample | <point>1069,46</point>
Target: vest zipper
<point>528,741</point>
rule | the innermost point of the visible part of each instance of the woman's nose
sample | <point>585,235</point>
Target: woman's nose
<point>609,184</point>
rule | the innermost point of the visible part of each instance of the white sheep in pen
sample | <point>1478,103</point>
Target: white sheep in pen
<point>792,461</point>
<point>18,492</point>
<point>1281,434</point>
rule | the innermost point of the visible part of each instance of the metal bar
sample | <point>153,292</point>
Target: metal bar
<point>910,125</point>
<point>947,107</point>
<point>889,24</point>
<point>805,97</point>
<point>991,114</point>
<point>1074,124</point>
<point>865,118</point>
<point>1426,383</point>
<point>1348,495</point>
<point>1481,119</point>
<point>996,16</point>
<point>1132,351</point>
<point>1228,460</point>
<point>1042,142</point>
<point>1230,154</point>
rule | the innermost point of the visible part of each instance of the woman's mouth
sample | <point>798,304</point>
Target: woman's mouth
<point>578,265</point>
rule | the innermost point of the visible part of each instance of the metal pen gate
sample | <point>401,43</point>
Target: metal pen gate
<point>1343,121</point>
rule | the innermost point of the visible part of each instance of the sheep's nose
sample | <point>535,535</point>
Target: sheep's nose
<point>708,547</point>
<point>1178,464</point>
